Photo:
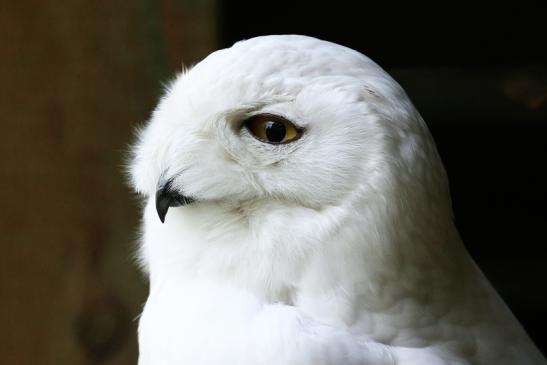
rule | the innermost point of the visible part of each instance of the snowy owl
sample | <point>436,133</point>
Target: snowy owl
<point>297,213</point>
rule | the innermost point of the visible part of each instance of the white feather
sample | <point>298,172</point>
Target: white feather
<point>338,248</point>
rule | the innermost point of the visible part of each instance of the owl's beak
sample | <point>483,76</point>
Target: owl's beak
<point>166,198</point>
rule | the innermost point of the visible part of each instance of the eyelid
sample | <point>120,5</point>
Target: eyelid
<point>271,115</point>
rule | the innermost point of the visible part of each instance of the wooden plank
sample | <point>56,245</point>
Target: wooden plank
<point>76,79</point>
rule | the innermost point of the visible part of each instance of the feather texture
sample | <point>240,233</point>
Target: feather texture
<point>338,248</point>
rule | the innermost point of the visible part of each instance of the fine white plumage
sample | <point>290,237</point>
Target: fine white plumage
<point>307,221</point>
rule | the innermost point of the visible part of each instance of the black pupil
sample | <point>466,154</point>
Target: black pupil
<point>275,131</point>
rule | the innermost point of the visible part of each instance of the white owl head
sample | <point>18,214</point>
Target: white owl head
<point>283,118</point>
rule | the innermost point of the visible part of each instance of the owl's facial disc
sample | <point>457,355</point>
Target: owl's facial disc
<point>166,197</point>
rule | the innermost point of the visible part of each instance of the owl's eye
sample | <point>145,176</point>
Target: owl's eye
<point>272,129</point>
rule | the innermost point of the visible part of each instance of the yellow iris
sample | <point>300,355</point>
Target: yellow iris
<point>272,129</point>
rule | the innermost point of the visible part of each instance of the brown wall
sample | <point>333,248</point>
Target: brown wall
<point>75,78</point>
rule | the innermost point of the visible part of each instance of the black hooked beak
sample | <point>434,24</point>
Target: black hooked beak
<point>166,198</point>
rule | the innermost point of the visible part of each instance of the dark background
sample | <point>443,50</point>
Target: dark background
<point>76,77</point>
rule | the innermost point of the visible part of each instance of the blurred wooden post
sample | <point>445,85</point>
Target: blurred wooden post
<point>76,77</point>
